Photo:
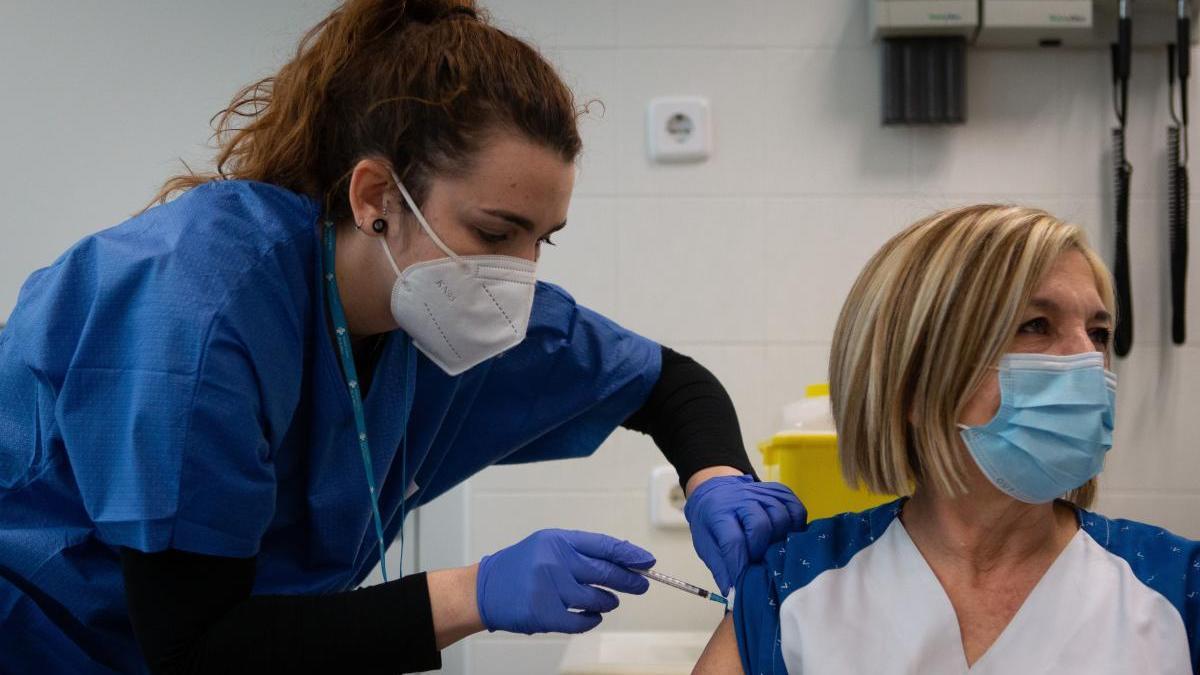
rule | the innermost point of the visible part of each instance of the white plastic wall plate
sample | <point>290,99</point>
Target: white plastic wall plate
<point>678,129</point>
<point>913,18</point>
<point>666,499</point>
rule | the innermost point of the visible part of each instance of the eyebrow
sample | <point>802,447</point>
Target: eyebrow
<point>519,220</point>
<point>1048,305</point>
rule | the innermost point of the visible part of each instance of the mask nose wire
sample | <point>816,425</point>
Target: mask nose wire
<point>412,205</point>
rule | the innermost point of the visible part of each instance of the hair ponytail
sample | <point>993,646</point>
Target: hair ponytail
<point>421,82</point>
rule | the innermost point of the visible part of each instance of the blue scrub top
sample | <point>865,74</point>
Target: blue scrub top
<point>171,383</point>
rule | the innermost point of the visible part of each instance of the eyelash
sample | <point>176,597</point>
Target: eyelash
<point>1100,336</point>
<point>1105,335</point>
<point>490,238</point>
<point>1039,322</point>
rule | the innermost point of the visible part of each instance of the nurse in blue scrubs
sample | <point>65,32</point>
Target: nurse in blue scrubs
<point>215,415</point>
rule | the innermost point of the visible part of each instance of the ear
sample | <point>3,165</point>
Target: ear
<point>371,193</point>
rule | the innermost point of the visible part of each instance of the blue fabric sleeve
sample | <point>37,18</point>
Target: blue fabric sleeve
<point>756,621</point>
<point>171,407</point>
<point>575,378</point>
<point>172,459</point>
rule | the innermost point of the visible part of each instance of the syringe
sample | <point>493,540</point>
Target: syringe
<point>681,585</point>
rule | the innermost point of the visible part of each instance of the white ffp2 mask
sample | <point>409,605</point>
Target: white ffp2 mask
<point>461,310</point>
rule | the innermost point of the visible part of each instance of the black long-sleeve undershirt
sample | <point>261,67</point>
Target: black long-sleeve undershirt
<point>691,418</point>
<point>195,613</point>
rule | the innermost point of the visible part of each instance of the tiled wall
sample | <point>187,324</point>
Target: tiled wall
<point>743,261</point>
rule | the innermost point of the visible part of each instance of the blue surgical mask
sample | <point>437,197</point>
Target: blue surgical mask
<point>1053,428</point>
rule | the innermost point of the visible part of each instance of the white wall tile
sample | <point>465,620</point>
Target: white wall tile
<point>1012,123</point>
<point>815,23</point>
<point>1149,272</point>
<point>1177,513</point>
<point>692,269</point>
<point>592,76</point>
<point>790,369</point>
<point>499,654</point>
<point>817,248</point>
<point>558,23</point>
<point>1084,156</point>
<point>584,257</point>
<point>1091,214</point>
<point>820,115</point>
<point>87,103</point>
<point>1155,445</point>
<point>732,80</point>
<point>690,23</point>
<point>923,205</point>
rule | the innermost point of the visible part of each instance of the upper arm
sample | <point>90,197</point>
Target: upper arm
<point>721,654</point>
<point>563,390</point>
<point>175,597</point>
<point>168,416</point>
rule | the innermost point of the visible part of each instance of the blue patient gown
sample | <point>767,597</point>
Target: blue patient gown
<point>170,383</point>
<point>852,594</point>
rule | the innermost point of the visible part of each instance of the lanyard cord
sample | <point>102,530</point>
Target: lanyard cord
<point>342,335</point>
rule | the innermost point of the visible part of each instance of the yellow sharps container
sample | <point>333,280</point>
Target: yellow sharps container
<point>804,457</point>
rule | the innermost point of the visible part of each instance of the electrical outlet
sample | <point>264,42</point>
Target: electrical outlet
<point>678,129</point>
<point>666,499</point>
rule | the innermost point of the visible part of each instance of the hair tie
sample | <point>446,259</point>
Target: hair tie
<point>460,10</point>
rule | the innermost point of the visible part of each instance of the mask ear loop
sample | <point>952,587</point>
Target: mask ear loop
<point>412,205</point>
<point>387,252</point>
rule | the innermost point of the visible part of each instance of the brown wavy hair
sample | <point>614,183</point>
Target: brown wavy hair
<point>420,82</point>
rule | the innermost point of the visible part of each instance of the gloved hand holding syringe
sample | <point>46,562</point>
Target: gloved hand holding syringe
<point>561,581</point>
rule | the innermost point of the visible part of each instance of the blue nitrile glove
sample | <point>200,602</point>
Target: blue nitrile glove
<point>735,519</point>
<point>532,586</point>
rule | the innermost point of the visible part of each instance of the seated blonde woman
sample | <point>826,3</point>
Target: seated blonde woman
<point>969,371</point>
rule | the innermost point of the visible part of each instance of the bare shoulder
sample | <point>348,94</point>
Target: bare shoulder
<point>721,654</point>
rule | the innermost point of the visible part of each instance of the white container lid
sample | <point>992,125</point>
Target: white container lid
<point>811,414</point>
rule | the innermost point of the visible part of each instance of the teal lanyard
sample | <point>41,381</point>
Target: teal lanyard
<point>342,335</point>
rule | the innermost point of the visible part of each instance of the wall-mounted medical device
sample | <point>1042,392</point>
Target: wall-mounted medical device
<point>1036,23</point>
<point>924,58</point>
<point>1028,23</point>
<point>1075,23</point>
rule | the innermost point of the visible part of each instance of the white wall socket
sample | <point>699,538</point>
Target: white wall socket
<point>666,499</point>
<point>678,129</point>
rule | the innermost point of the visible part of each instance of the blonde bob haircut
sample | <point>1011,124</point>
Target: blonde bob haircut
<point>928,316</point>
